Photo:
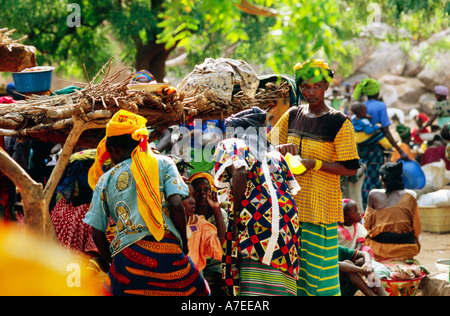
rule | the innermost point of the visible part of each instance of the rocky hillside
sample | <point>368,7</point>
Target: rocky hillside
<point>406,83</point>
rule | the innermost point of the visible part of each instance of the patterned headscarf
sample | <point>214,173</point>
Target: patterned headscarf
<point>143,163</point>
<point>143,74</point>
<point>314,70</point>
<point>368,86</point>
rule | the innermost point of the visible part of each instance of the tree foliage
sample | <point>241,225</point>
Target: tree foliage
<point>145,33</point>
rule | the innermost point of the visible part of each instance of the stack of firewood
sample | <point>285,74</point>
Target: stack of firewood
<point>50,118</point>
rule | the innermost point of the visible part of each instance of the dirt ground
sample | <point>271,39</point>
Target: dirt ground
<point>434,246</point>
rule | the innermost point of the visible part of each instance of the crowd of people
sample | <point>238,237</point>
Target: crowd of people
<point>238,221</point>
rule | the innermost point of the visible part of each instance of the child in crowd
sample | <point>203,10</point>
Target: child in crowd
<point>365,132</point>
<point>351,232</point>
<point>353,265</point>
<point>204,239</point>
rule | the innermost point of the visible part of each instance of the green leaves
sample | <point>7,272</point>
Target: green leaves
<point>137,29</point>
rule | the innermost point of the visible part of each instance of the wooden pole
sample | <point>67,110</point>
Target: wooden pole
<point>77,129</point>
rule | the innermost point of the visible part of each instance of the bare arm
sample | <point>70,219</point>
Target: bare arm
<point>238,184</point>
<point>178,216</point>
<point>394,144</point>
<point>347,266</point>
<point>220,224</point>
<point>102,244</point>
<point>429,123</point>
<point>330,167</point>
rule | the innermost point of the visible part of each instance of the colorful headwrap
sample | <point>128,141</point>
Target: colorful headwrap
<point>314,70</point>
<point>143,163</point>
<point>368,86</point>
<point>143,74</point>
<point>203,175</point>
<point>441,90</point>
<point>403,131</point>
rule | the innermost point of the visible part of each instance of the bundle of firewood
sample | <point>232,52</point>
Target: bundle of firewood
<point>5,39</point>
<point>50,118</point>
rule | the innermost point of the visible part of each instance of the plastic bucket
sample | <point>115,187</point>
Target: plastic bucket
<point>413,175</point>
<point>34,79</point>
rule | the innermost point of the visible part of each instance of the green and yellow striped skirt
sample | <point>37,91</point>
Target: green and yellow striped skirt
<point>319,267</point>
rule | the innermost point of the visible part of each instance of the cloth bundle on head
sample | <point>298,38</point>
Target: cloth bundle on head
<point>403,131</point>
<point>314,70</point>
<point>143,163</point>
<point>293,98</point>
<point>143,76</point>
<point>246,125</point>
<point>368,86</point>
<point>441,90</point>
<point>254,117</point>
<point>392,174</point>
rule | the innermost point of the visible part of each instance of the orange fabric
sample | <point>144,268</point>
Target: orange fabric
<point>402,218</point>
<point>203,241</point>
<point>396,156</point>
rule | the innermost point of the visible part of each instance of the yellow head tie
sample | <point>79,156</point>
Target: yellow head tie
<point>143,164</point>
<point>205,176</point>
<point>312,70</point>
<point>315,63</point>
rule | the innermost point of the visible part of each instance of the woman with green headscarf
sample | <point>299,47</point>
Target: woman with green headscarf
<point>405,135</point>
<point>325,140</point>
<point>372,154</point>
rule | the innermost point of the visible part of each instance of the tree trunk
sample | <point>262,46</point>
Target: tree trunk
<point>153,57</point>
<point>37,216</point>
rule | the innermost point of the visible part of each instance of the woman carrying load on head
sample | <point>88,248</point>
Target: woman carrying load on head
<point>325,140</point>
<point>143,194</point>
<point>261,241</point>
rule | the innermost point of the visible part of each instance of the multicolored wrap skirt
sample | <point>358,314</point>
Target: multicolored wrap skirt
<point>258,279</point>
<point>319,265</point>
<point>373,157</point>
<point>151,268</point>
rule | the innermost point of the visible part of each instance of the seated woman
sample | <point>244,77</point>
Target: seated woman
<point>392,217</point>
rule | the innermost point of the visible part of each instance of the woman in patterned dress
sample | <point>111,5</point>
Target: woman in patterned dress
<point>148,255</point>
<point>261,242</point>
<point>325,140</point>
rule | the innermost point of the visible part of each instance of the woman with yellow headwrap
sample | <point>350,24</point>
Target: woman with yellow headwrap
<point>325,140</point>
<point>142,193</point>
